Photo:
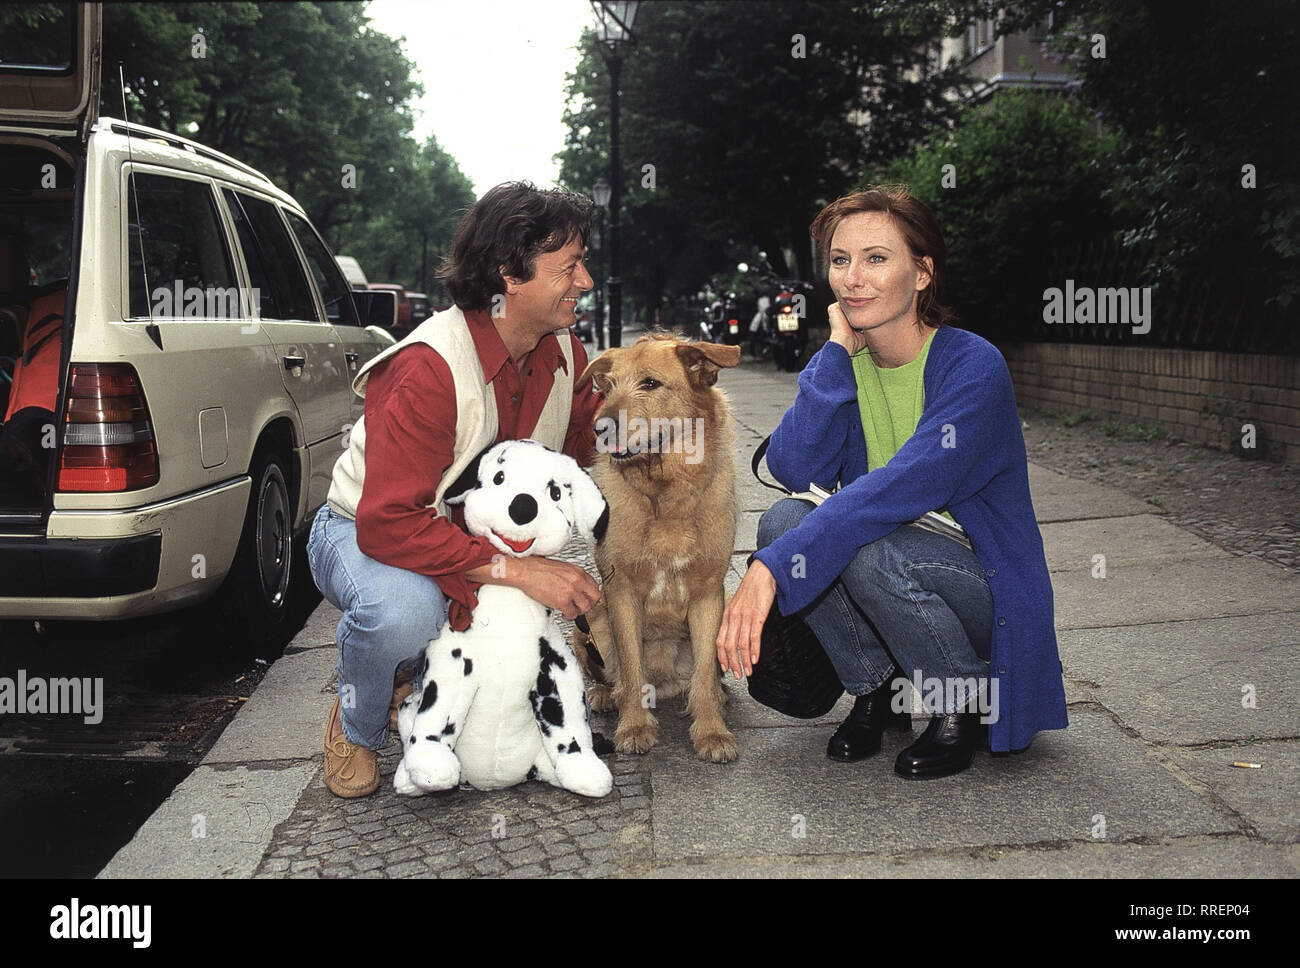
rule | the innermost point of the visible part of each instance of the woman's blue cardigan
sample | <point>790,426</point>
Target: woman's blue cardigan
<point>967,455</point>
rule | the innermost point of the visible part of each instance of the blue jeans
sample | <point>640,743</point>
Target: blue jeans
<point>913,600</point>
<point>389,616</point>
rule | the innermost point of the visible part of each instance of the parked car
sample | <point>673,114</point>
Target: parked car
<point>208,341</point>
<point>352,272</point>
<point>404,323</point>
<point>421,309</point>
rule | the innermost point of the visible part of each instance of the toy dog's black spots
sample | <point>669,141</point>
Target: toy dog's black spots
<point>449,729</point>
<point>467,481</point>
<point>536,702</point>
<point>532,773</point>
<point>469,666</point>
<point>573,748</point>
<point>559,747</point>
<point>431,738</point>
<point>549,655</point>
<point>430,696</point>
<point>455,653</point>
<point>545,684</point>
<point>553,711</point>
<point>412,740</point>
<point>546,704</point>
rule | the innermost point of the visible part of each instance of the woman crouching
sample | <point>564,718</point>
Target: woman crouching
<point>906,414</point>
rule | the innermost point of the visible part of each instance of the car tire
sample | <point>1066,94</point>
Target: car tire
<point>253,602</point>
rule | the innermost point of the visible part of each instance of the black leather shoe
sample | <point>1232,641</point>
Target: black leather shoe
<point>859,735</point>
<point>946,747</point>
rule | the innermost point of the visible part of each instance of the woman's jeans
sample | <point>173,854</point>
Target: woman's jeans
<point>389,616</point>
<point>914,601</point>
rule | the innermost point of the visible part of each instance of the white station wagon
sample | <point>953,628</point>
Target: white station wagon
<point>199,343</point>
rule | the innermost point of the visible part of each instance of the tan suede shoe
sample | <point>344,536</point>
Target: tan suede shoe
<point>350,771</point>
<point>400,692</point>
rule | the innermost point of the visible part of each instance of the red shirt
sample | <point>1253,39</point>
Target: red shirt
<point>411,439</point>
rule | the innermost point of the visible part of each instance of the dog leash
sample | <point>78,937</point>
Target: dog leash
<point>758,458</point>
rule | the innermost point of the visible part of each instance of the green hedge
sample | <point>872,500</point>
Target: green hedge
<point>1026,185</point>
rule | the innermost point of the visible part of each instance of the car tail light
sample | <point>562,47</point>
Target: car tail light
<point>787,309</point>
<point>108,441</point>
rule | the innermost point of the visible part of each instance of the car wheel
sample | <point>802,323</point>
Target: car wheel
<point>253,602</point>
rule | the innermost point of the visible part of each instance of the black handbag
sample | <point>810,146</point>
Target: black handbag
<point>793,674</point>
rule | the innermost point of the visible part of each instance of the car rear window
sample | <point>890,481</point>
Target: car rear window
<point>177,249</point>
<point>334,289</point>
<point>37,37</point>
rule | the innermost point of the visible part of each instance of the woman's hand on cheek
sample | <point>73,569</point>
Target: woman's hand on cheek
<point>842,332</point>
<point>740,635</point>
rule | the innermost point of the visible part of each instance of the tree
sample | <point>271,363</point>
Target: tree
<point>308,94</point>
<point>1011,185</point>
<point>1202,96</point>
<point>752,116</point>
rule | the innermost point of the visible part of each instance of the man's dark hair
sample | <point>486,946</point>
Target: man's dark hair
<point>503,233</point>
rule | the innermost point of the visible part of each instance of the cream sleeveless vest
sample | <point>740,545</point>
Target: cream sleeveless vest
<point>476,407</point>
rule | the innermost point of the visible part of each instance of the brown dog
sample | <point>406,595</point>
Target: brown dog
<point>664,462</point>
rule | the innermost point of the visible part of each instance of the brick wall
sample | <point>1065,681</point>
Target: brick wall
<point>1203,397</point>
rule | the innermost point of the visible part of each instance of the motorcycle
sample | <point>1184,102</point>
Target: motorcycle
<point>788,331</point>
<point>722,321</point>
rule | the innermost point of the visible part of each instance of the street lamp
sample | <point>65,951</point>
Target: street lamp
<point>614,28</point>
<point>600,195</point>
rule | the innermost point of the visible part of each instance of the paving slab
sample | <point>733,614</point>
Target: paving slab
<point>1182,682</point>
<point>1141,539</point>
<point>285,718</point>
<point>1191,857</point>
<point>1268,797</point>
<point>1060,498</point>
<point>1167,591</point>
<point>217,823</point>
<point>783,796</point>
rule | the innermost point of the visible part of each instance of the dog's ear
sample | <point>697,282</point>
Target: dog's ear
<point>596,369</point>
<point>703,360</point>
<point>466,482</point>
<point>590,508</point>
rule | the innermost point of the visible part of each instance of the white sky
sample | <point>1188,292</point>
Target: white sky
<point>493,73</point>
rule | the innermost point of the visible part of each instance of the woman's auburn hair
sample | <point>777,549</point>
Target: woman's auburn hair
<point>502,235</point>
<point>920,230</point>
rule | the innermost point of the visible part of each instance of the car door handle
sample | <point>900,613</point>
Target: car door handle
<point>294,362</point>
<point>351,358</point>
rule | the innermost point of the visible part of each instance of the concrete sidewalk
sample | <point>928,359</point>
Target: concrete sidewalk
<point>1181,660</point>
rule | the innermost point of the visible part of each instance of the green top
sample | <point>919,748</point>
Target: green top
<point>890,400</point>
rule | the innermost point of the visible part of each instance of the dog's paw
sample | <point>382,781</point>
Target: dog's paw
<point>402,782</point>
<point>638,738</point>
<point>600,697</point>
<point>434,767</point>
<point>585,774</point>
<point>716,747</point>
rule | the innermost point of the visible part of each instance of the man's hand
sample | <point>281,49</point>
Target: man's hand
<point>555,584</point>
<point>741,633</point>
<point>842,332</point>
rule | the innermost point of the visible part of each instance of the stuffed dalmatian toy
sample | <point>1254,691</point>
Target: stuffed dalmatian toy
<point>503,701</point>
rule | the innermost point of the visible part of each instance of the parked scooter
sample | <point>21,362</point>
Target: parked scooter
<point>789,327</point>
<point>780,328</point>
